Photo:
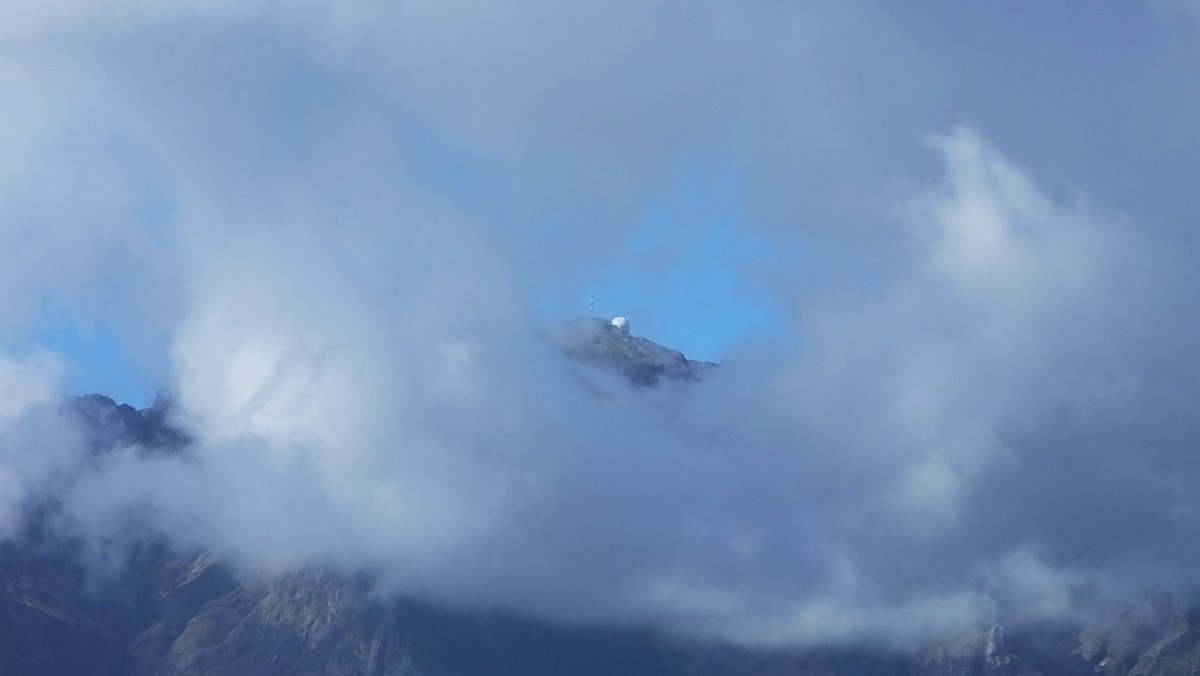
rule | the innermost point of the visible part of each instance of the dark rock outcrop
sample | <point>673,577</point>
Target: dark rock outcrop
<point>592,340</point>
<point>106,425</point>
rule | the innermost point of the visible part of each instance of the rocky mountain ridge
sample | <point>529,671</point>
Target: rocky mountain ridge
<point>596,341</point>
<point>184,613</point>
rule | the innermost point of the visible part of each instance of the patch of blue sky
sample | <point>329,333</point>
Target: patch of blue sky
<point>97,356</point>
<point>96,361</point>
<point>689,276</point>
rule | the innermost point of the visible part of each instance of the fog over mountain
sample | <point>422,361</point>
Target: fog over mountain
<point>340,238</point>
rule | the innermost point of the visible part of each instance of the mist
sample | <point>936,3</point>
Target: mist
<point>329,234</point>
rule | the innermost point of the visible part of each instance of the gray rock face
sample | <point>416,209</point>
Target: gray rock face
<point>592,340</point>
<point>187,616</point>
<point>169,613</point>
<point>107,425</point>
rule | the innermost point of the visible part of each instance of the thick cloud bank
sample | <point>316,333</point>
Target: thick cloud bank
<point>328,230</point>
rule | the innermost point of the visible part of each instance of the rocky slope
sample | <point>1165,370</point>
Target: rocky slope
<point>168,614</point>
<point>172,613</point>
<point>596,341</point>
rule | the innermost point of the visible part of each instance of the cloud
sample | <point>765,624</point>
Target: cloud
<point>35,443</point>
<point>858,486</point>
<point>337,222</point>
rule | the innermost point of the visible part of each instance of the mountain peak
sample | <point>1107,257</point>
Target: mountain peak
<point>610,343</point>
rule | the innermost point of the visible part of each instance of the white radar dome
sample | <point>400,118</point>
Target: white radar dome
<point>621,323</point>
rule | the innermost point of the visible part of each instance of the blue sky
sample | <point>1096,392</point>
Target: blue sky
<point>687,275</point>
<point>97,362</point>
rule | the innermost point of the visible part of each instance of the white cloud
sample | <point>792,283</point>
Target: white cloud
<point>35,442</point>
<point>363,204</point>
